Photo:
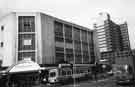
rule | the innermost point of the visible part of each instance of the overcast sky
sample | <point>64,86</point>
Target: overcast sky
<point>81,12</point>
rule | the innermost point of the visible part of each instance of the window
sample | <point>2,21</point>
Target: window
<point>27,58</point>
<point>59,49</point>
<point>84,35</point>
<point>102,42</point>
<point>27,42</point>
<point>69,72</point>
<point>2,28</point>
<point>1,44</point>
<point>76,34</point>
<point>58,29</point>
<point>26,55</point>
<point>102,45</point>
<point>102,39</point>
<point>68,32</point>
<point>101,36</point>
<point>100,30</point>
<point>26,24</point>
<point>103,49</point>
<point>63,73</point>
<point>100,33</point>
<point>52,74</point>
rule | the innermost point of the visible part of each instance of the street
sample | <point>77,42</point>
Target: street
<point>108,82</point>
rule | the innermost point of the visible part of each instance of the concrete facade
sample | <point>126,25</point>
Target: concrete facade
<point>8,39</point>
<point>44,39</point>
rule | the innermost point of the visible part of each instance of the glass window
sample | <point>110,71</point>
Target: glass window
<point>103,45</point>
<point>22,55</point>
<point>27,42</point>
<point>63,73</point>
<point>103,49</point>
<point>101,30</point>
<point>101,39</point>
<point>52,74</point>
<point>102,42</point>
<point>58,29</point>
<point>76,34</point>
<point>101,36</point>
<point>69,72</point>
<point>84,36</point>
<point>100,33</point>
<point>27,58</point>
<point>2,28</point>
<point>2,44</point>
<point>59,44</point>
<point>68,31</point>
<point>59,49</point>
<point>26,24</point>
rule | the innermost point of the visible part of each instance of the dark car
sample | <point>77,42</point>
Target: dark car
<point>125,81</point>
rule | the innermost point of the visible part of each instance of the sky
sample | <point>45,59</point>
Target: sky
<point>82,12</point>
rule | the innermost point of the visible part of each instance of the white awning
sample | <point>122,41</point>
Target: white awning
<point>24,66</point>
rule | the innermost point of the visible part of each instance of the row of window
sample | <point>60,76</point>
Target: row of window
<point>70,57</point>
<point>84,53</point>
<point>70,40</point>
<point>76,45</point>
<point>70,50</point>
<point>68,32</point>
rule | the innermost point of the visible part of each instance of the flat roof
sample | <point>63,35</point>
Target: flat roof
<point>57,19</point>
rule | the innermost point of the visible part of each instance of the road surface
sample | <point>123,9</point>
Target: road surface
<point>109,82</point>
